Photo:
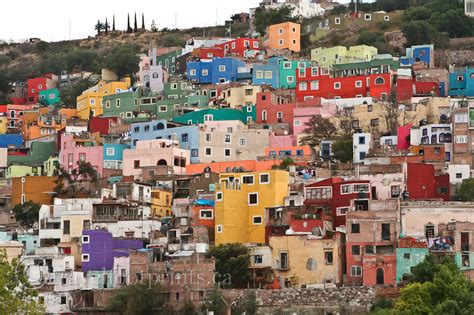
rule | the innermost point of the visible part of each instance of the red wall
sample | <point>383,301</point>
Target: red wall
<point>348,88</point>
<point>101,124</point>
<point>273,109</point>
<point>211,52</point>
<point>407,88</point>
<point>197,221</point>
<point>240,47</point>
<point>423,184</point>
<point>34,88</point>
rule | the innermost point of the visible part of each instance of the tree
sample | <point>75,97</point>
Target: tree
<point>466,190</point>
<point>69,94</point>
<point>106,27</point>
<point>143,22</point>
<point>71,183</point>
<point>216,303</point>
<point>153,27</point>
<point>16,294</point>
<point>264,18</point>
<point>247,304</point>
<point>135,25</point>
<point>342,149</point>
<point>99,27</point>
<point>391,113</point>
<point>113,23</point>
<point>140,299</point>
<point>123,60</point>
<point>286,163</point>
<point>232,263</point>
<point>418,32</point>
<point>129,29</point>
<point>318,129</point>
<point>27,214</point>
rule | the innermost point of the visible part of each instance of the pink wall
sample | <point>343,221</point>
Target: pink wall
<point>304,115</point>
<point>93,155</point>
<point>402,134</point>
<point>281,141</point>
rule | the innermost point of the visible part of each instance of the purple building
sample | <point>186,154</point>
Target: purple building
<point>99,249</point>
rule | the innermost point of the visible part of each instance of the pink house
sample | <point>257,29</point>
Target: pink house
<point>81,148</point>
<point>403,134</point>
<point>302,115</point>
<point>159,152</point>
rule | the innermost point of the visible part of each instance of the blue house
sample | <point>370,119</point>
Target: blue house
<point>218,70</point>
<point>423,53</point>
<point>113,155</point>
<point>188,136</point>
<point>461,83</point>
<point>267,74</point>
<point>11,140</point>
<point>29,241</point>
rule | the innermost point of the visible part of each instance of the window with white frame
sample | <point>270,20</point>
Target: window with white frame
<point>337,85</point>
<point>361,188</point>
<point>314,71</point>
<point>85,257</point>
<point>461,118</point>
<point>255,44</point>
<point>163,108</point>
<point>192,72</point>
<point>314,85</point>
<point>208,117</point>
<point>280,31</point>
<point>268,74</point>
<point>107,104</point>
<point>85,239</point>
<point>297,123</point>
<point>227,138</point>
<point>337,21</point>
<point>290,79</point>
<point>342,211</point>
<point>253,199</point>
<point>324,70</point>
<point>92,101</point>
<point>248,179</point>
<point>257,220</point>
<point>358,84</point>
<point>356,271</point>
<point>129,114</point>
<point>461,139</point>
<point>303,86</point>
<point>110,151</point>
<point>264,115</point>
<point>287,65</point>
<point>280,115</point>
<point>346,189</point>
<point>219,196</point>
<point>259,74</point>
<point>265,178</point>
<point>206,214</point>
<point>319,193</point>
<point>205,72</point>
<point>222,68</point>
<point>208,137</point>
<point>242,142</point>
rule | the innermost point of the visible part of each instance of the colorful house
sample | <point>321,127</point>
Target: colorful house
<point>461,82</point>
<point>11,140</point>
<point>218,70</point>
<point>124,105</point>
<point>81,148</point>
<point>239,46</point>
<point>49,97</point>
<point>341,55</point>
<point>205,115</point>
<point>409,254</point>
<point>89,103</point>
<point>35,85</point>
<point>113,155</point>
<point>241,200</point>
<point>419,53</point>
<point>267,73</point>
<point>161,201</point>
<point>152,75</point>
<point>168,60</point>
<point>284,36</point>
<point>39,189</point>
<point>34,156</point>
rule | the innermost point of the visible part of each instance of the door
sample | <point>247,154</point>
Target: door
<point>380,276</point>
<point>374,193</point>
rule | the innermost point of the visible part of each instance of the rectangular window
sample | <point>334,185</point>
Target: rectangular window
<point>205,214</point>
<point>219,196</point>
<point>341,211</point>
<point>337,85</point>
<point>356,271</point>
<point>264,178</point>
<point>268,74</point>
<point>461,139</point>
<point>386,231</point>
<point>374,122</point>
<point>184,137</point>
<point>257,220</point>
<point>319,193</point>
<point>242,142</point>
<point>227,138</point>
<point>284,263</point>
<point>355,250</point>
<point>358,84</point>
<point>355,228</point>
<point>253,199</point>
<point>204,72</point>
<point>208,137</point>
<point>222,68</point>
<point>346,189</point>
<point>136,164</point>
<point>290,79</point>
<point>361,188</point>
<point>248,179</point>
<point>208,151</point>
<point>303,86</point>
<point>82,157</point>
<point>258,259</point>
<point>227,152</point>
<point>67,227</point>
<point>259,74</point>
<point>314,85</point>
<point>163,108</point>
<point>85,257</point>
<point>328,258</point>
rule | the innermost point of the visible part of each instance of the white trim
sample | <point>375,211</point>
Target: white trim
<point>219,193</point>
<point>351,190</point>
<point>257,216</point>
<point>248,199</point>
<point>338,211</point>
<point>206,218</point>
<point>219,228</point>
<point>253,179</point>
<point>83,239</point>
<point>260,179</point>
<point>85,257</point>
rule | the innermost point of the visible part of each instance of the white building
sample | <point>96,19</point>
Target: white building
<point>434,134</point>
<point>458,173</point>
<point>152,75</point>
<point>469,7</point>
<point>301,8</point>
<point>195,43</point>
<point>362,143</point>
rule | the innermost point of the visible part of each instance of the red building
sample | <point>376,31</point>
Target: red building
<point>102,124</point>
<point>340,196</point>
<point>238,46</point>
<point>211,52</point>
<point>273,109</point>
<point>422,183</point>
<point>407,87</point>
<point>36,85</point>
<point>320,82</point>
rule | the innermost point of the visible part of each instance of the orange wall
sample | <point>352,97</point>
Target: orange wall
<point>287,37</point>
<point>35,188</point>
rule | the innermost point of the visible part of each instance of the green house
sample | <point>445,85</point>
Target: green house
<point>408,258</point>
<point>168,60</point>
<point>123,104</point>
<point>287,72</point>
<point>201,116</point>
<point>35,156</point>
<point>49,97</point>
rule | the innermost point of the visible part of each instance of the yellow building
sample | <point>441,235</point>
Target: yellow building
<point>90,101</point>
<point>241,199</point>
<point>304,260</point>
<point>161,203</point>
<point>13,249</point>
<point>245,95</point>
<point>341,55</point>
<point>3,124</point>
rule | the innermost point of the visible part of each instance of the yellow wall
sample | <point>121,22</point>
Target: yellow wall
<point>3,125</point>
<point>234,213</point>
<point>96,94</point>
<point>240,97</point>
<point>300,249</point>
<point>341,55</point>
<point>161,203</point>
<point>76,226</point>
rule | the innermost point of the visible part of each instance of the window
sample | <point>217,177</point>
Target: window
<point>82,157</point>
<point>284,265</point>
<point>319,193</point>
<point>264,115</point>
<point>208,117</point>
<point>379,81</point>
<point>163,108</point>
<point>406,256</point>
<point>257,220</point>
<point>194,153</point>
<point>192,72</point>
<point>67,227</point>
<point>367,17</point>
<point>268,74</point>
<point>92,101</point>
<point>458,175</point>
<point>205,214</point>
<point>297,123</point>
<point>63,299</point>
<point>290,79</point>
<point>117,103</point>
<point>280,31</point>
<point>227,152</point>
<point>208,151</point>
<point>328,257</point>
<point>279,115</point>
<point>107,104</point>
<point>341,211</point>
<point>208,137</point>
<point>461,118</point>
<point>361,188</point>
<point>85,257</point>
<point>460,78</point>
<point>136,164</point>
<point>227,138</point>
<point>264,178</point>
<point>346,189</point>
<point>395,191</point>
<point>358,84</point>
<point>369,108</point>
<point>253,199</point>
<point>337,21</point>
<point>362,140</point>
<point>374,122</point>
<point>386,231</point>
<point>222,68</point>
<point>219,196</point>
<point>303,86</point>
<point>219,228</point>
<point>355,250</point>
<point>337,85</point>
<point>461,139</point>
<point>204,72</point>
<point>314,85</point>
<point>355,228</point>
<point>369,249</point>
<point>259,74</point>
<point>386,18</point>
<point>248,179</point>
<point>258,259</point>
<point>356,271</point>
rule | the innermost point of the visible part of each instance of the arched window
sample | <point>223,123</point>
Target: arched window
<point>162,162</point>
<point>379,81</point>
<point>160,126</point>
<point>264,115</point>
<point>310,264</point>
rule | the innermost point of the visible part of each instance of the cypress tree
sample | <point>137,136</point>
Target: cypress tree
<point>113,23</point>
<point>106,27</point>
<point>135,25</point>
<point>129,29</point>
<point>143,21</point>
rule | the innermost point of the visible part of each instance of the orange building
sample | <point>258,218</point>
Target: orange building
<point>38,189</point>
<point>284,36</point>
<point>222,167</point>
